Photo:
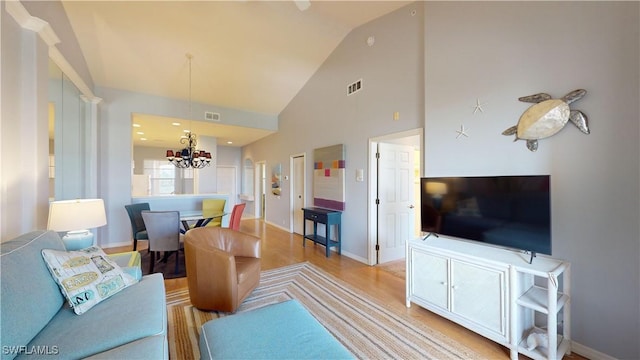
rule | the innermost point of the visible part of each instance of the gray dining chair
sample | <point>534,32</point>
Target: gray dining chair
<point>163,230</point>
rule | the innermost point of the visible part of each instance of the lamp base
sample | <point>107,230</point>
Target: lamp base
<point>77,239</point>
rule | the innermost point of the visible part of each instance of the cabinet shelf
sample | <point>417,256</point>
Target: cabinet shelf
<point>321,240</point>
<point>536,298</point>
<point>541,353</point>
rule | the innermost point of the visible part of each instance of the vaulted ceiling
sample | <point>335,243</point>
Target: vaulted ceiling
<point>247,55</point>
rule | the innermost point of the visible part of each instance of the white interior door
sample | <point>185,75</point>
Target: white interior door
<point>396,207</point>
<point>228,184</point>
<point>298,194</point>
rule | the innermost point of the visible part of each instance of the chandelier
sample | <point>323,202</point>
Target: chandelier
<point>189,156</point>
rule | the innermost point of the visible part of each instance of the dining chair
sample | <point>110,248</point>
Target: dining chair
<point>163,228</point>
<point>214,206</point>
<point>236,215</point>
<point>138,230</point>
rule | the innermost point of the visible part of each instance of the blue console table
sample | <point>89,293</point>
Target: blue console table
<point>324,216</point>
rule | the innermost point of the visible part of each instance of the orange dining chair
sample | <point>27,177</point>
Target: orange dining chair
<point>236,215</point>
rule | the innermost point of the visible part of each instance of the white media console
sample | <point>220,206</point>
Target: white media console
<point>494,292</point>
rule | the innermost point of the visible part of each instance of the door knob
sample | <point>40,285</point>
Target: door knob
<point>411,206</point>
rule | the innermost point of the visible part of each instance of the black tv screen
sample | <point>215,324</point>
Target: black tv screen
<point>507,211</point>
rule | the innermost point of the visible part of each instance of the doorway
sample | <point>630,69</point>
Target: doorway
<point>260,188</point>
<point>226,177</point>
<point>394,180</point>
<point>298,191</point>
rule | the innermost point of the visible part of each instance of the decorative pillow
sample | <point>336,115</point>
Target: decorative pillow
<point>86,277</point>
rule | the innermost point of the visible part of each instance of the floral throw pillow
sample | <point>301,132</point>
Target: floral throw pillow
<point>86,277</point>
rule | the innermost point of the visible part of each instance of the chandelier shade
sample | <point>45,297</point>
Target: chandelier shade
<point>189,157</point>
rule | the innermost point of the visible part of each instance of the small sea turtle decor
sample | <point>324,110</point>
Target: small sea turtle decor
<point>547,117</point>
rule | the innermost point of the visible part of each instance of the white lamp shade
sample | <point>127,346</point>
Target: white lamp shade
<point>80,214</point>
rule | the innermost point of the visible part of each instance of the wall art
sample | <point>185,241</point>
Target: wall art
<point>547,117</point>
<point>329,177</point>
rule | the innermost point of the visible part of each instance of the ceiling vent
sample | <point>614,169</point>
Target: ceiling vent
<point>354,87</point>
<point>211,116</point>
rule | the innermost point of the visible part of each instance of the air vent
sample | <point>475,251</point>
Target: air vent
<point>355,87</point>
<point>211,116</point>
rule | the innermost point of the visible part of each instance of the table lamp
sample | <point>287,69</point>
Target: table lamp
<point>436,190</point>
<point>75,217</point>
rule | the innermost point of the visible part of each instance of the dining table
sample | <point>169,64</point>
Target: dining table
<point>198,218</point>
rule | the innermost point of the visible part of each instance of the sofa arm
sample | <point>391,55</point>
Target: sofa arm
<point>231,241</point>
<point>245,245</point>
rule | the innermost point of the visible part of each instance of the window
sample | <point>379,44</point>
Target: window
<point>162,177</point>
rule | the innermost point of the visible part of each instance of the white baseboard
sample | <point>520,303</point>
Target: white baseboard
<point>278,226</point>
<point>354,257</point>
<point>118,244</point>
<point>588,352</point>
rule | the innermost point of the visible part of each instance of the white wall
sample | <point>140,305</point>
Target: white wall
<point>497,52</point>
<point>322,115</point>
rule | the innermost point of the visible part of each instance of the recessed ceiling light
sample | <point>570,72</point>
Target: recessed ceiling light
<point>229,142</point>
<point>143,139</point>
<point>175,124</point>
<point>186,131</point>
<point>140,133</point>
<point>136,125</point>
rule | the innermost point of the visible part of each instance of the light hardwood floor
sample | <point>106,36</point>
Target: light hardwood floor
<point>280,248</point>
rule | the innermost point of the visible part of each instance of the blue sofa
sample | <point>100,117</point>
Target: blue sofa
<point>36,321</point>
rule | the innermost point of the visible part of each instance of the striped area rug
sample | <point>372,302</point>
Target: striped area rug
<point>367,329</point>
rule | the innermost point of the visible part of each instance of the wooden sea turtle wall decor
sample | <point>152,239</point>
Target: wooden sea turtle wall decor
<point>547,117</point>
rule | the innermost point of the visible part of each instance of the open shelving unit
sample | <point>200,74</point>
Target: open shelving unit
<point>539,298</point>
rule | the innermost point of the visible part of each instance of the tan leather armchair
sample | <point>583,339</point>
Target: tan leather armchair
<point>223,267</point>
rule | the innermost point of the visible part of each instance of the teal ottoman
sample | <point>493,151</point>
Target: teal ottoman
<point>281,331</point>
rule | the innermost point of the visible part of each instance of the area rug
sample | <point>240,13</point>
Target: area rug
<point>167,268</point>
<point>367,329</point>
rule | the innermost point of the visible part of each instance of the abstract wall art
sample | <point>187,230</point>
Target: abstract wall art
<point>329,177</point>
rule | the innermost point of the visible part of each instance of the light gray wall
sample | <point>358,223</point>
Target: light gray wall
<point>53,13</point>
<point>24,185</point>
<point>115,150</point>
<point>322,115</point>
<point>497,52</point>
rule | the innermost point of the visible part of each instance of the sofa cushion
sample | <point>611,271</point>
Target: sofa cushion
<point>284,330</point>
<point>86,277</point>
<point>152,347</point>
<point>30,298</point>
<point>132,314</point>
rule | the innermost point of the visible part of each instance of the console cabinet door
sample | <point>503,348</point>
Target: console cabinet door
<point>430,278</point>
<point>478,294</point>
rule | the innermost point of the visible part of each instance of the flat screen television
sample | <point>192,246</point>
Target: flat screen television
<point>506,211</point>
